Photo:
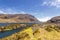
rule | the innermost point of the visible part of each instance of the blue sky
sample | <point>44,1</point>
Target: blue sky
<point>41,9</point>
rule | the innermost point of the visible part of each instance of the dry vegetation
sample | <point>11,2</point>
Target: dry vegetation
<point>37,32</point>
<point>11,27</point>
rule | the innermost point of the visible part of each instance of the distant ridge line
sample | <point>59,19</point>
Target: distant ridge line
<point>24,23</point>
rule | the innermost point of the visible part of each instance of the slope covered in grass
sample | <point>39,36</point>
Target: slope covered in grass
<point>36,32</point>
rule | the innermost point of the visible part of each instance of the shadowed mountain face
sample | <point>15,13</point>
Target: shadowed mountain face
<point>13,18</point>
<point>55,19</point>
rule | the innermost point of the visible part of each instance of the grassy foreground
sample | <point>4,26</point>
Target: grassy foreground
<point>49,32</point>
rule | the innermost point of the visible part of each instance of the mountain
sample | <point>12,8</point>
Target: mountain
<point>13,18</point>
<point>41,31</point>
<point>54,20</point>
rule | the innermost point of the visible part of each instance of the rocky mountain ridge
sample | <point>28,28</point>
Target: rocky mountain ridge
<point>13,18</point>
<point>55,19</point>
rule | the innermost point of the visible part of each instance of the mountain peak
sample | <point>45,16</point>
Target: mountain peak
<point>17,18</point>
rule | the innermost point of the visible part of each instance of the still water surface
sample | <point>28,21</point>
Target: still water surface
<point>7,33</point>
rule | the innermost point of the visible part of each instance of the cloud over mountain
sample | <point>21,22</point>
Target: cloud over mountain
<point>44,19</point>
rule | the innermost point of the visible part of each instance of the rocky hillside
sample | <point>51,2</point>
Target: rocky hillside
<point>9,18</point>
<point>55,19</point>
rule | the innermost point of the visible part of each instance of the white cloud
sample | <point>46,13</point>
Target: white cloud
<point>54,3</point>
<point>1,11</point>
<point>44,19</point>
<point>11,11</point>
<point>22,12</point>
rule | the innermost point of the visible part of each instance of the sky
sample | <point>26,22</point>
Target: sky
<point>43,10</point>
